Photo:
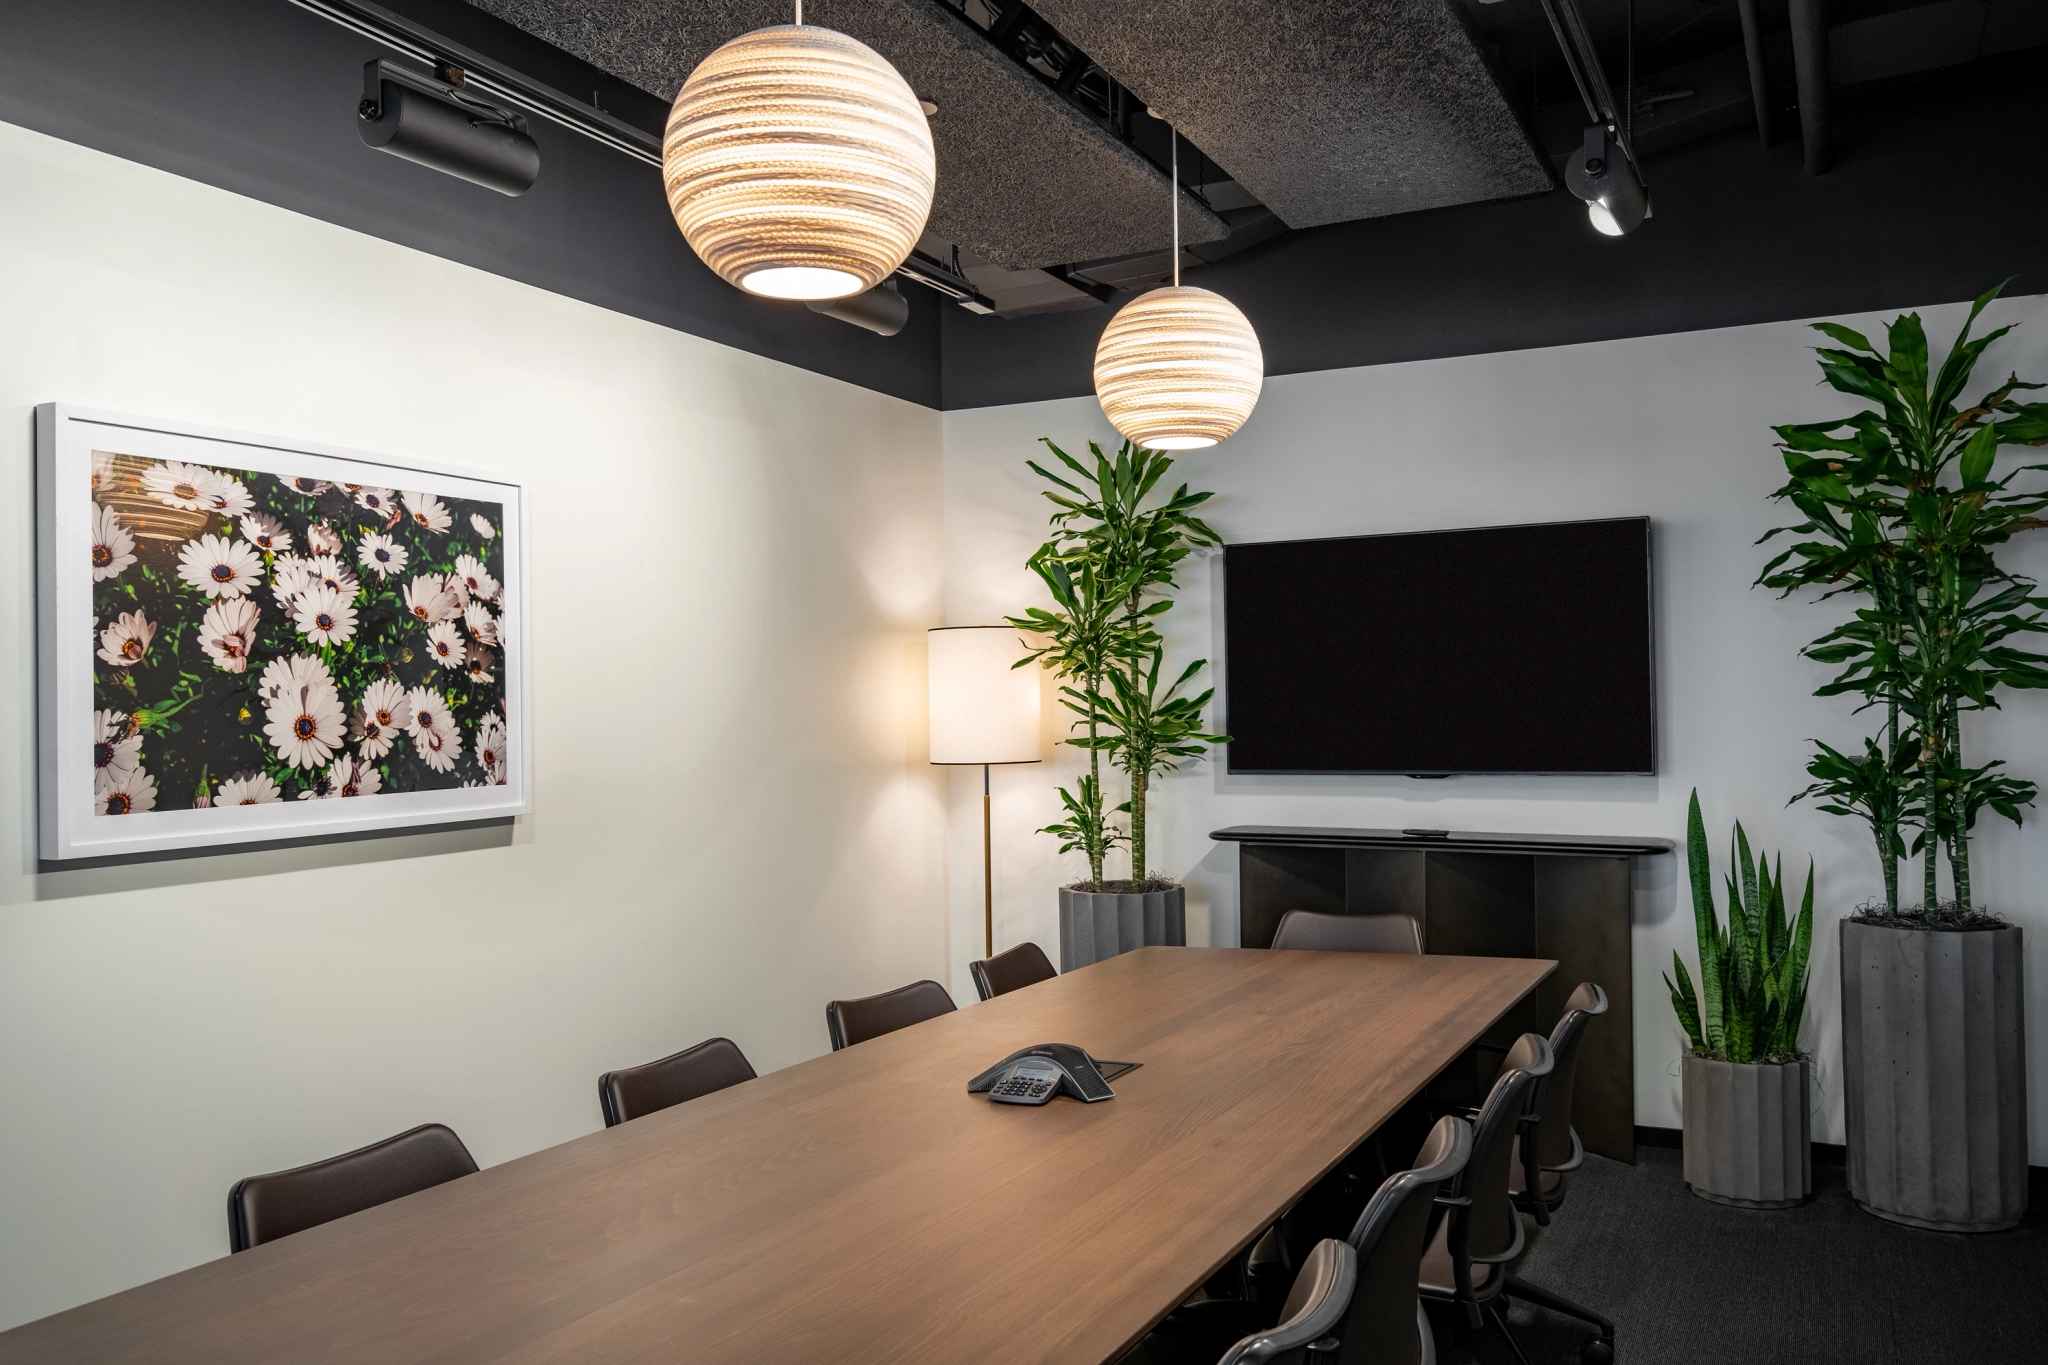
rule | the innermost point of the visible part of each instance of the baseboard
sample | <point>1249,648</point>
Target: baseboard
<point>1824,1154</point>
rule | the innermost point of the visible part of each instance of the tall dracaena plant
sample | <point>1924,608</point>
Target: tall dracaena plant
<point>1904,509</point>
<point>1100,517</point>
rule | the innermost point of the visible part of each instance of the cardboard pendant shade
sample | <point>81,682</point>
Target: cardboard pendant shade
<point>1178,368</point>
<point>798,163</point>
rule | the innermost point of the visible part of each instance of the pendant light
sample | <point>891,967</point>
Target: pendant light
<point>798,163</point>
<point>1178,368</point>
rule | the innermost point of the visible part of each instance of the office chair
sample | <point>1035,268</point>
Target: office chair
<point>1468,1260</point>
<point>711,1065</point>
<point>263,1208</point>
<point>871,1016</point>
<point>1550,1148</point>
<point>1318,1301</point>
<point>1010,970</point>
<point>1348,933</point>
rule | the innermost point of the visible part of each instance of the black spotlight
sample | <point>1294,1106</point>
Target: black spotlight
<point>434,123</point>
<point>882,310</point>
<point>1600,174</point>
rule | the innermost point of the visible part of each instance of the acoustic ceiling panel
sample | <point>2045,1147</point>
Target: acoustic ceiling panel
<point>1025,179</point>
<point>1327,110</point>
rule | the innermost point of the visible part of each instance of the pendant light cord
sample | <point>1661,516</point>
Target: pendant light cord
<point>1174,134</point>
<point>799,13</point>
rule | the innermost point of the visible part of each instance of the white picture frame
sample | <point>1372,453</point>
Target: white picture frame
<point>71,520</point>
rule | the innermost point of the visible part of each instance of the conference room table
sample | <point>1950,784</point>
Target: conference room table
<point>862,1206</point>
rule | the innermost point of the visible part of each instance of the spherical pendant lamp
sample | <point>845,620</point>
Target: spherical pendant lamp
<point>798,163</point>
<point>1178,368</point>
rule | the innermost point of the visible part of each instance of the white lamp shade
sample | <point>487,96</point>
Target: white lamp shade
<point>1178,368</point>
<point>982,709</point>
<point>798,163</point>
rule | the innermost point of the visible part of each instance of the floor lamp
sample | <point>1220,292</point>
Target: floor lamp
<point>983,711</point>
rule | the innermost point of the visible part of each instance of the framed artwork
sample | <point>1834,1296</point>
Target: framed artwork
<point>243,639</point>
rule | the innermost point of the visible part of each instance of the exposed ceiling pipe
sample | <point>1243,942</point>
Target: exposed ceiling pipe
<point>1759,79</point>
<point>1810,70</point>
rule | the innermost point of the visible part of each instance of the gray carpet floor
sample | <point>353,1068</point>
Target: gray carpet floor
<point>1689,1281</point>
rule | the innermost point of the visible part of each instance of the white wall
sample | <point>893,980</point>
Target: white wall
<point>734,563</point>
<point>1675,427</point>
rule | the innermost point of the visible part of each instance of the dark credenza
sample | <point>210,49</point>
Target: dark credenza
<point>1479,895</point>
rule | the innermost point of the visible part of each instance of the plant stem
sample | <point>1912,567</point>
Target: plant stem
<point>1140,780</point>
<point>1095,772</point>
<point>1959,841</point>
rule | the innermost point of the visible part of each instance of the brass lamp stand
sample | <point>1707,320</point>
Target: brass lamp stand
<point>984,711</point>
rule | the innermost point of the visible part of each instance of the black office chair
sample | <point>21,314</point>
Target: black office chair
<point>1320,1297</point>
<point>1549,1152</point>
<point>264,1208</point>
<point>1011,970</point>
<point>871,1016</point>
<point>711,1065</point>
<point>1348,933</point>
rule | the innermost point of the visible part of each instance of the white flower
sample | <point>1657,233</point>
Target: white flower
<point>125,642</point>
<point>353,777</point>
<point>326,571</point>
<point>438,749</point>
<point>254,789</point>
<point>284,675</point>
<point>432,728</point>
<point>428,599</point>
<point>325,617</point>
<point>228,632</point>
<point>322,539</point>
<point>482,625</point>
<point>483,526</point>
<point>306,724</point>
<point>220,567</point>
<point>427,512</point>
<point>490,748</point>
<point>382,555</point>
<point>476,661</point>
<point>378,500</point>
<point>113,549</point>
<point>311,488</point>
<point>444,642</point>
<point>186,486</point>
<point>266,533</point>
<point>135,792</point>
<point>289,576</point>
<point>380,718</point>
<point>227,496</point>
<point>115,752</point>
<point>102,471</point>
<point>472,575</point>
<point>321,784</point>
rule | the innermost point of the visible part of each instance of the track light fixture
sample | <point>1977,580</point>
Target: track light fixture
<point>1600,174</point>
<point>431,120</point>
<point>1603,171</point>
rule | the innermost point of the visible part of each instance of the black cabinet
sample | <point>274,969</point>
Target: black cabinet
<point>1479,895</point>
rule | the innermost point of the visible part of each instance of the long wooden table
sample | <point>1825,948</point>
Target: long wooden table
<point>861,1206</point>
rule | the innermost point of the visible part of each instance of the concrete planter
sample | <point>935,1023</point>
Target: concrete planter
<point>1748,1132</point>
<point>1095,926</point>
<point>1934,1070</point>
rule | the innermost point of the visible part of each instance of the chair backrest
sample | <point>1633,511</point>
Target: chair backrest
<point>1317,1303</point>
<point>1487,1229</point>
<point>1012,969</point>
<point>1383,1326</point>
<point>1348,933</point>
<point>711,1065</point>
<point>1553,1147</point>
<point>264,1208</point>
<point>871,1016</point>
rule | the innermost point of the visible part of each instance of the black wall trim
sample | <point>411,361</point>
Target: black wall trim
<point>258,97</point>
<point>1831,1154</point>
<point>1936,195</point>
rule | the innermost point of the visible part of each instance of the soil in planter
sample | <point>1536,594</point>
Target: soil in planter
<point>1948,915</point>
<point>1123,888</point>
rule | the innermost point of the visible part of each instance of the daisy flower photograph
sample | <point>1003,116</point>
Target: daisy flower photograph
<point>264,638</point>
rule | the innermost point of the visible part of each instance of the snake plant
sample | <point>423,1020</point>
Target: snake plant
<point>1752,992</point>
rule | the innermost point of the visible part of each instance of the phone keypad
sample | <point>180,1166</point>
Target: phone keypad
<point>1024,1088</point>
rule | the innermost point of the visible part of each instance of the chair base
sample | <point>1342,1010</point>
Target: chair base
<point>1599,1351</point>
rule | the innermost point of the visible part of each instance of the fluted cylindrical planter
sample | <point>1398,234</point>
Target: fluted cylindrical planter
<point>1748,1131</point>
<point>1934,1075</point>
<point>1095,925</point>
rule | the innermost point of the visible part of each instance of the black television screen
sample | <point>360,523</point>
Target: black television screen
<point>1511,649</point>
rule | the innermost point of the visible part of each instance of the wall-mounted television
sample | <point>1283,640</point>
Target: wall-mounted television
<point>1506,649</point>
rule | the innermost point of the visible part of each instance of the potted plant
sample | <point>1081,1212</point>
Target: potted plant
<point>1110,562</point>
<point>1905,510</point>
<point>1746,1088</point>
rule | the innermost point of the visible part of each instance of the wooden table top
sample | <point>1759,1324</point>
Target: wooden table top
<point>861,1206</point>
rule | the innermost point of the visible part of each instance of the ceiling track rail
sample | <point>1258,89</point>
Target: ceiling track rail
<point>1575,42</point>
<point>480,73</point>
